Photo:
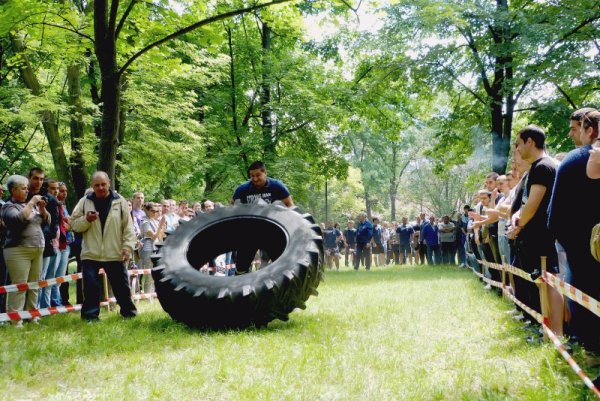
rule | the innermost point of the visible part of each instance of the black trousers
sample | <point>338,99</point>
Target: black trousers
<point>363,253</point>
<point>92,285</point>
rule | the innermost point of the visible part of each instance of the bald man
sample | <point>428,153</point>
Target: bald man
<point>102,217</point>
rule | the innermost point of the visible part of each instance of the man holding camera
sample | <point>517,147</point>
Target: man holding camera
<point>102,216</point>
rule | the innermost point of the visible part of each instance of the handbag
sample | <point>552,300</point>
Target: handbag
<point>595,242</point>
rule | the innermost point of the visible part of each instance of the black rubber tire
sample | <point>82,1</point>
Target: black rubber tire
<point>293,241</point>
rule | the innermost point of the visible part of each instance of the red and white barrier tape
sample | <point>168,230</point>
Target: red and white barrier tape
<point>136,272</point>
<point>40,284</point>
<point>487,280</point>
<point>533,313</point>
<point>573,293</point>
<point>570,360</point>
<point>24,315</point>
<point>135,297</point>
<point>510,269</point>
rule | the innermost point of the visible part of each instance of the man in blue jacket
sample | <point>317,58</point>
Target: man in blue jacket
<point>364,235</point>
<point>430,233</point>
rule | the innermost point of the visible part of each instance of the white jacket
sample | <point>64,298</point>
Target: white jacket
<point>118,234</point>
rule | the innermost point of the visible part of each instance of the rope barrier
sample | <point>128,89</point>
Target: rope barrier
<point>563,352</point>
<point>30,314</point>
<point>40,284</point>
<point>566,289</point>
<point>573,293</point>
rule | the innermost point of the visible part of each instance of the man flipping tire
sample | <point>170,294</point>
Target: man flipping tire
<point>259,188</point>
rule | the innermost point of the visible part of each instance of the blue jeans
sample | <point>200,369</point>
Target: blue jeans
<point>504,248</point>
<point>462,253</point>
<point>49,268</point>
<point>62,261</point>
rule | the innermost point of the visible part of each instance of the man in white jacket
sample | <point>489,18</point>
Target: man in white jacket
<point>102,217</point>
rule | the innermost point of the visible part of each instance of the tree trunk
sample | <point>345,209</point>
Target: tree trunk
<point>106,53</point>
<point>121,136</point>
<point>499,150</point>
<point>368,205</point>
<point>265,94</point>
<point>61,165</point>
<point>234,121</point>
<point>78,171</point>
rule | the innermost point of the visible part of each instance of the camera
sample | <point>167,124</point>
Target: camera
<point>45,199</point>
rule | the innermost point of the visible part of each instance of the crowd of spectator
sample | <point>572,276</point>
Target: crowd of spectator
<point>540,212</point>
<point>543,207</point>
<point>38,238</point>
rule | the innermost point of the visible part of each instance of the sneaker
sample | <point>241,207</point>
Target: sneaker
<point>487,287</point>
<point>35,320</point>
<point>519,317</point>
<point>18,324</point>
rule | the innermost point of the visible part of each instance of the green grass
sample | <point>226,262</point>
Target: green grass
<point>424,333</point>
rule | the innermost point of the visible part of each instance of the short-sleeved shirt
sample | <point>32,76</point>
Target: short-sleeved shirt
<point>350,235</point>
<point>447,237</point>
<point>330,236</point>
<point>542,172</point>
<point>272,191</point>
<point>405,232</point>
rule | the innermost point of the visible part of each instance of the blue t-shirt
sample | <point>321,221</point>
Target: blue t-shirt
<point>364,232</point>
<point>430,234</point>
<point>272,191</point>
<point>404,233</point>
<point>350,235</point>
<point>330,236</point>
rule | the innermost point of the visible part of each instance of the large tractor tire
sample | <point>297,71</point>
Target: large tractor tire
<point>292,240</point>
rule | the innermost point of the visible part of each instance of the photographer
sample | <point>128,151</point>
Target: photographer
<point>24,243</point>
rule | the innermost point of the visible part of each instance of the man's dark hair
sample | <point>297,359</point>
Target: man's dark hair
<point>466,207</point>
<point>578,114</point>
<point>591,119</point>
<point>34,171</point>
<point>257,165</point>
<point>537,135</point>
<point>492,175</point>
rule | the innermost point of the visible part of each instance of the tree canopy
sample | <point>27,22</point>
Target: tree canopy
<point>177,98</point>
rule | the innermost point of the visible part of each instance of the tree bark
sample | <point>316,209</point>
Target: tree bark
<point>106,53</point>
<point>265,94</point>
<point>78,170</point>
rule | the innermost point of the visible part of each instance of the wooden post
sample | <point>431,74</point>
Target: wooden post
<point>503,276</point>
<point>105,289</point>
<point>544,297</point>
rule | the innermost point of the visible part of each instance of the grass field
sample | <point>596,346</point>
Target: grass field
<point>410,333</point>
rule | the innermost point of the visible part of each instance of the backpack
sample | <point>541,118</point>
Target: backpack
<point>595,242</point>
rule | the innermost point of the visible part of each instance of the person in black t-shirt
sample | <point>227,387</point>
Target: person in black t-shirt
<point>533,239</point>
